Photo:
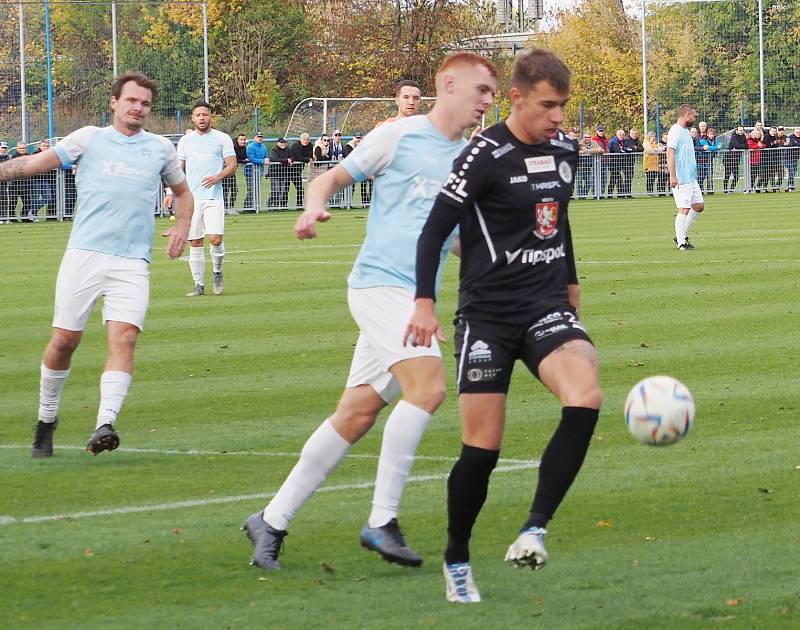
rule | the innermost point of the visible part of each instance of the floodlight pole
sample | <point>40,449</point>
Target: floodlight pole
<point>644,66</point>
<point>48,46</point>
<point>114,38</point>
<point>23,99</point>
<point>761,57</point>
<point>205,51</point>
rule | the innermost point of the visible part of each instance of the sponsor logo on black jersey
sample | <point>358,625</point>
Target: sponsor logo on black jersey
<point>564,144</point>
<point>540,164</point>
<point>565,172</point>
<point>546,217</point>
<point>498,153</point>
<point>546,185</point>
<point>535,256</point>
<point>518,179</point>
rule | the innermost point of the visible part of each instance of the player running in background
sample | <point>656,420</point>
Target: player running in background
<point>410,159</point>
<point>518,299</point>
<point>121,169</point>
<point>682,165</point>
<point>208,157</point>
<point>408,98</point>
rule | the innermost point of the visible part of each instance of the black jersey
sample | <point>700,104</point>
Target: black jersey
<point>510,202</point>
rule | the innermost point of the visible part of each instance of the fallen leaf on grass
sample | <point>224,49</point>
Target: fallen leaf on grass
<point>177,530</point>
<point>765,490</point>
<point>88,553</point>
<point>650,538</point>
<point>603,523</point>
<point>733,602</point>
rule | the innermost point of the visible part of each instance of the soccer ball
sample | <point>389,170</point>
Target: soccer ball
<point>659,410</point>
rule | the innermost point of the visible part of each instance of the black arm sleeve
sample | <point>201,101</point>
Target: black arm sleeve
<point>571,271</point>
<point>440,224</point>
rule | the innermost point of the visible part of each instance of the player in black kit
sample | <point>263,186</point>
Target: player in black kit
<point>518,299</point>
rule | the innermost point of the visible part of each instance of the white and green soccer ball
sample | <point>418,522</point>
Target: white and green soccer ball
<point>659,410</point>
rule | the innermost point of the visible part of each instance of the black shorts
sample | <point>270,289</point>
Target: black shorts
<point>486,351</point>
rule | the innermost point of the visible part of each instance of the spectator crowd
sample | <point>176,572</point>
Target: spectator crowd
<point>617,166</point>
<point>608,166</point>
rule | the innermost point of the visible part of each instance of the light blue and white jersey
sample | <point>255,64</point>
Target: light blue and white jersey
<point>204,155</point>
<point>119,181</point>
<point>680,139</point>
<point>410,160</point>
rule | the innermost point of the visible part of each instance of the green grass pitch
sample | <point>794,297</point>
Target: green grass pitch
<point>701,534</point>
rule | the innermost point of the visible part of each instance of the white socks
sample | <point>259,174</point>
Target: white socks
<point>680,228</point>
<point>113,389</point>
<point>401,436</point>
<point>217,254</point>
<point>50,385</point>
<point>197,265</point>
<point>321,454</point>
<point>690,219</point>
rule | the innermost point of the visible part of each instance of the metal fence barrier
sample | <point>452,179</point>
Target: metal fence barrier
<point>641,175</point>
<point>276,187</point>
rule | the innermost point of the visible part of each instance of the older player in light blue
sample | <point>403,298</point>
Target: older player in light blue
<point>121,168</point>
<point>410,160</point>
<point>682,166</point>
<point>208,157</point>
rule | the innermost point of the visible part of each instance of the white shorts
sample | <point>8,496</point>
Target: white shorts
<point>84,276</point>
<point>382,314</point>
<point>208,218</point>
<point>686,195</point>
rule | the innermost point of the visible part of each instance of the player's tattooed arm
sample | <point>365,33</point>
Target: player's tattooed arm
<point>29,165</point>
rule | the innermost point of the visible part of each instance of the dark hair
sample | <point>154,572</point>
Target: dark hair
<point>201,104</point>
<point>142,80</point>
<point>406,83</point>
<point>540,64</point>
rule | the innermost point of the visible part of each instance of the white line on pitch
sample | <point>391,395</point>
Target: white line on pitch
<point>205,453</point>
<point>177,505</point>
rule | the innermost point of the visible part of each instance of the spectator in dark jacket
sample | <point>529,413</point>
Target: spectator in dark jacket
<point>617,157</point>
<point>5,200</point>
<point>280,160</point>
<point>737,145</point>
<point>43,189</point>
<point>771,163</point>
<point>792,153</point>
<point>230,188</point>
<point>302,153</point>
<point>633,146</point>
<point>21,189</point>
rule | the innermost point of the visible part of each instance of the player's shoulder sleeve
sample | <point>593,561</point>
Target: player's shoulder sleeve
<point>226,142</point>
<point>377,150</point>
<point>673,137</point>
<point>181,151</point>
<point>70,148</point>
<point>471,171</point>
<point>171,172</point>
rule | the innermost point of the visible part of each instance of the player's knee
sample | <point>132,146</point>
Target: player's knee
<point>427,396</point>
<point>64,342</point>
<point>215,240</point>
<point>590,397</point>
<point>698,207</point>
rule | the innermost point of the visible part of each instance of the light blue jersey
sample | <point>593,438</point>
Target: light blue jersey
<point>411,160</point>
<point>204,155</point>
<point>118,182</point>
<point>680,139</point>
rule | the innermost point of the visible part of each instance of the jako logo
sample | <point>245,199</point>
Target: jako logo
<point>535,256</point>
